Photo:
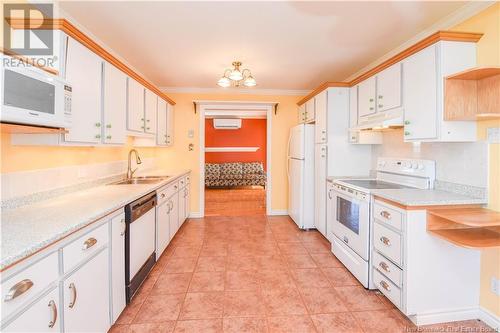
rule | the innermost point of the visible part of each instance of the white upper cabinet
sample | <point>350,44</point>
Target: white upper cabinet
<point>321,110</point>
<point>389,88</point>
<point>310,110</point>
<point>170,124</point>
<point>420,91</point>
<point>161,132</point>
<point>151,105</point>
<point>114,105</point>
<point>83,72</point>
<point>366,97</point>
<point>302,113</point>
<point>353,106</point>
<point>135,106</point>
<point>423,92</point>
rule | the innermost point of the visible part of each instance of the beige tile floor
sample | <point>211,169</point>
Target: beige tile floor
<point>259,274</point>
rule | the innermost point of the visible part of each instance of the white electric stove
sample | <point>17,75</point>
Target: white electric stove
<point>350,221</point>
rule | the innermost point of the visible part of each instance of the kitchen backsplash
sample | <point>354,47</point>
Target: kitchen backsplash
<point>28,183</point>
<point>464,163</point>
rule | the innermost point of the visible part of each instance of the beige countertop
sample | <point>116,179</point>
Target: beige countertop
<point>30,228</point>
<point>418,197</point>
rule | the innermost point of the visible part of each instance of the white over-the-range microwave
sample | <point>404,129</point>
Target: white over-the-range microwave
<point>32,96</point>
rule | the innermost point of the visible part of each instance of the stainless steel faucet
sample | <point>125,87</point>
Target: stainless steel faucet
<point>130,172</point>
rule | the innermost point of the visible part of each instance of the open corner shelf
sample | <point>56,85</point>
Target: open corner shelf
<point>25,129</point>
<point>473,94</point>
<point>467,227</point>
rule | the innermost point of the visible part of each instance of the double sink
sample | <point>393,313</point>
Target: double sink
<point>140,180</point>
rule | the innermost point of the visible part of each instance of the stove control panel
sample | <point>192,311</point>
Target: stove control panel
<point>351,192</point>
<point>410,167</point>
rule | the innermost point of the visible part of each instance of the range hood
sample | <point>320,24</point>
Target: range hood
<point>381,120</point>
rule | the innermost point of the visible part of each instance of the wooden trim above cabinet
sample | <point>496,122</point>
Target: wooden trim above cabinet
<point>72,31</point>
<point>320,89</point>
<point>456,36</point>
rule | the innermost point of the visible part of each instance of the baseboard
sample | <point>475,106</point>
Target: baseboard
<point>489,318</point>
<point>445,316</point>
<point>278,212</point>
<point>195,215</point>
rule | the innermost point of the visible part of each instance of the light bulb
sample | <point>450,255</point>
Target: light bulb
<point>250,81</point>
<point>236,75</point>
<point>224,82</point>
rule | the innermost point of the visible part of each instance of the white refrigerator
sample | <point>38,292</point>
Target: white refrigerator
<point>300,171</point>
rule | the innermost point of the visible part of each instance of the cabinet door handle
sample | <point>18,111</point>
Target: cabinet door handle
<point>385,240</point>
<point>53,307</point>
<point>384,266</point>
<point>18,289</point>
<point>124,227</point>
<point>330,194</point>
<point>73,295</point>
<point>89,243</point>
<point>163,195</point>
<point>385,285</point>
<point>385,214</point>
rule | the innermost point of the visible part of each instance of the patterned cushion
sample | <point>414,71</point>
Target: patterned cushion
<point>231,168</point>
<point>255,176</point>
<point>212,168</point>
<point>230,176</point>
<point>253,167</point>
<point>212,176</point>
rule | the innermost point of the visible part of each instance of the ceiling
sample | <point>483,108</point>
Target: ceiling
<point>287,45</point>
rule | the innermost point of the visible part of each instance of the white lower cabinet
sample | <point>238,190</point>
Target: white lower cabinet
<point>320,165</point>
<point>182,206</point>
<point>418,272</point>
<point>187,200</point>
<point>118,297</point>
<point>42,316</point>
<point>86,304</point>
<point>174,214</point>
<point>162,227</point>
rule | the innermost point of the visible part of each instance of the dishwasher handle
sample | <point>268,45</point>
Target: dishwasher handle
<point>139,207</point>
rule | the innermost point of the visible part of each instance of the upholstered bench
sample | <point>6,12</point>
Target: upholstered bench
<point>234,174</point>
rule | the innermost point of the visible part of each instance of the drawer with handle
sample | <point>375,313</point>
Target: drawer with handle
<point>389,289</point>
<point>167,191</point>
<point>42,316</point>
<point>21,288</point>
<point>387,268</point>
<point>387,215</point>
<point>388,243</point>
<point>84,247</point>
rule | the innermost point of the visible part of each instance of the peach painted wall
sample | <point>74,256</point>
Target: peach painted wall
<point>251,134</point>
<point>488,54</point>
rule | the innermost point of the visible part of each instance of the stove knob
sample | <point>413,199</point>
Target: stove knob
<point>415,166</point>
<point>421,166</point>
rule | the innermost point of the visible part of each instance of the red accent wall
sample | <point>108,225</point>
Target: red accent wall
<point>251,134</point>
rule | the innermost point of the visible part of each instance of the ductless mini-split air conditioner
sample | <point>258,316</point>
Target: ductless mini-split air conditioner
<point>227,123</point>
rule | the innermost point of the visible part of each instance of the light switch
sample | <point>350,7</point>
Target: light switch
<point>493,135</point>
<point>191,133</point>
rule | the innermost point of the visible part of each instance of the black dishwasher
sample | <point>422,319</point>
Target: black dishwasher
<point>140,256</point>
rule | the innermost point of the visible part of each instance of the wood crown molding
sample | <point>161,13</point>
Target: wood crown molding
<point>441,35</point>
<point>72,31</point>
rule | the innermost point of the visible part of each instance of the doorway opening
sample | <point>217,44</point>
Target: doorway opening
<point>235,163</point>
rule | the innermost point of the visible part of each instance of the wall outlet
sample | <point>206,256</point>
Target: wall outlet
<point>495,286</point>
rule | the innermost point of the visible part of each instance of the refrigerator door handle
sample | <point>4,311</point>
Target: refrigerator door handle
<point>288,169</point>
<point>288,145</point>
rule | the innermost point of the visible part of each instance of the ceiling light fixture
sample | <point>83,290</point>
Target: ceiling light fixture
<point>236,77</point>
